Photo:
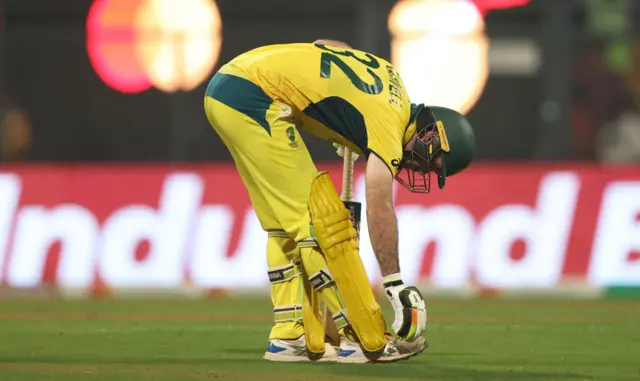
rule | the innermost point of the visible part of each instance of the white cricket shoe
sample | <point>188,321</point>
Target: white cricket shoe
<point>296,351</point>
<point>396,349</point>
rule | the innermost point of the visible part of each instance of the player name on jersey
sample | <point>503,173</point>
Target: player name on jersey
<point>396,88</point>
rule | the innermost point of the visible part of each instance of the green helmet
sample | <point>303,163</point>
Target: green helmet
<point>439,130</point>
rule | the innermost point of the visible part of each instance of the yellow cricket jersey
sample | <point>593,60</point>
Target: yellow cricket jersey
<point>346,96</point>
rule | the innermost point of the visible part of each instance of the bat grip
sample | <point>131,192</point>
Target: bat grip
<point>347,175</point>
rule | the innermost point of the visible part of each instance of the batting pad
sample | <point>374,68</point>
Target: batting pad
<point>283,259</point>
<point>338,240</point>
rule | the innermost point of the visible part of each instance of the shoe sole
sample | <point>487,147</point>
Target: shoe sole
<point>330,355</point>
<point>389,360</point>
<point>277,358</point>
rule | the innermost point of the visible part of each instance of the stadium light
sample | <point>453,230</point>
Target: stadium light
<point>441,51</point>
<point>136,44</point>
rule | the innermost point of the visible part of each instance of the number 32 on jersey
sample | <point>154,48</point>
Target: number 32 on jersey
<point>332,57</point>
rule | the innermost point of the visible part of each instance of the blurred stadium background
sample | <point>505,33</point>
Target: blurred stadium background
<point>113,184</point>
<point>111,178</point>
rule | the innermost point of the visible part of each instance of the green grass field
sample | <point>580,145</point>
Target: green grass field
<point>224,339</point>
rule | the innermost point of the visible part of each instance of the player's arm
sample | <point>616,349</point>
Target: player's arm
<point>381,216</point>
<point>410,311</point>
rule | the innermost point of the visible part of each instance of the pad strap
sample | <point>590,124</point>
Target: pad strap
<point>340,319</point>
<point>277,233</point>
<point>307,243</point>
<point>287,313</point>
<point>321,279</point>
<point>283,273</point>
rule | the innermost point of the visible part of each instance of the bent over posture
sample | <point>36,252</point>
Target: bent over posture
<point>256,103</point>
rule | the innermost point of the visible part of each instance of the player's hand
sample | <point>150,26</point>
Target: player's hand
<point>340,151</point>
<point>410,311</point>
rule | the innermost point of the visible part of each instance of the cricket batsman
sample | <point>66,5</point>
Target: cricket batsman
<point>257,103</point>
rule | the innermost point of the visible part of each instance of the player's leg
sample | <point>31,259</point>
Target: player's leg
<point>283,267</point>
<point>287,341</point>
<point>288,295</point>
<point>272,160</point>
<point>286,287</point>
<point>282,176</point>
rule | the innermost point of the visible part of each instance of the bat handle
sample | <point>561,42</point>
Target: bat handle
<point>347,175</point>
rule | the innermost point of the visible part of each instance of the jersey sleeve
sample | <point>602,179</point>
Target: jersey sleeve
<point>385,132</point>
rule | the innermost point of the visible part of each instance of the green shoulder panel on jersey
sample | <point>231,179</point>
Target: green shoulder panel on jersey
<point>241,95</point>
<point>342,118</point>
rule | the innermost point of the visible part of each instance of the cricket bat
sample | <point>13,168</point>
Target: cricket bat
<point>355,210</point>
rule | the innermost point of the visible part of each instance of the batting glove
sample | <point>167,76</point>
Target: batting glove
<point>410,311</point>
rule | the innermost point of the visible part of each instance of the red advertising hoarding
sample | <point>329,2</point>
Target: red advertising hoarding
<point>495,226</point>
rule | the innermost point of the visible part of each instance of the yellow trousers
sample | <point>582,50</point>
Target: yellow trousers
<point>277,171</point>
